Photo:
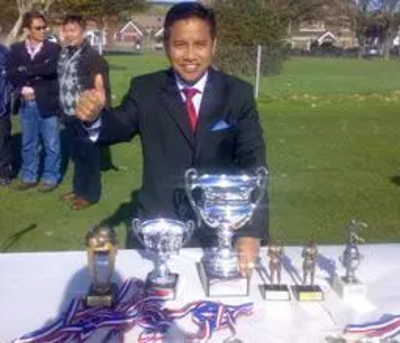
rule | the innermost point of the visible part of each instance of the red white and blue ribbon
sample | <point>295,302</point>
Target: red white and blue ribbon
<point>136,306</point>
<point>212,316</point>
<point>386,328</point>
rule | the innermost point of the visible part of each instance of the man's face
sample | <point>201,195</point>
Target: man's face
<point>37,30</point>
<point>190,48</point>
<point>73,34</point>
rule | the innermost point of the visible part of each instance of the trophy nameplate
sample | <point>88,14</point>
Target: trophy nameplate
<point>275,292</point>
<point>308,292</point>
<point>217,286</point>
<point>349,290</point>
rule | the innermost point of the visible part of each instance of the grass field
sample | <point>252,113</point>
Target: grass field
<point>332,130</point>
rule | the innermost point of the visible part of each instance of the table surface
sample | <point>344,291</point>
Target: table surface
<point>36,287</point>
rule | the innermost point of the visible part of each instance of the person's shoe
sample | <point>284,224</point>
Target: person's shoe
<point>68,197</point>
<point>47,187</point>
<point>80,204</point>
<point>24,185</point>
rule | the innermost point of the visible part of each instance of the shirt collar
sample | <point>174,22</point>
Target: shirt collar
<point>199,85</point>
<point>33,51</point>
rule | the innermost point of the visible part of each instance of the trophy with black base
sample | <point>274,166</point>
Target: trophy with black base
<point>225,203</point>
<point>349,286</point>
<point>275,290</point>
<point>102,247</point>
<point>309,291</point>
<point>163,238</point>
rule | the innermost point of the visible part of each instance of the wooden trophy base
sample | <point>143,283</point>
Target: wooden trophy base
<point>170,288</point>
<point>237,286</point>
<point>347,290</point>
<point>106,299</point>
<point>275,292</point>
<point>308,293</point>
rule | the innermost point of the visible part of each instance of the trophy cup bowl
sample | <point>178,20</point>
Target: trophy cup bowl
<point>102,246</point>
<point>224,203</point>
<point>163,238</point>
<point>349,286</point>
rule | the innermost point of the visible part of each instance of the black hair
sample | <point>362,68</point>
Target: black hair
<point>30,16</point>
<point>188,10</point>
<point>75,19</point>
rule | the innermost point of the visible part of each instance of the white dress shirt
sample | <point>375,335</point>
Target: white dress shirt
<point>199,85</point>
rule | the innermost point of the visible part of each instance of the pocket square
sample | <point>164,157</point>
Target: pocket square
<point>220,125</point>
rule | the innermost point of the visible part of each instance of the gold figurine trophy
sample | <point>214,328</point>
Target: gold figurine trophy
<point>275,290</point>
<point>102,247</point>
<point>309,290</point>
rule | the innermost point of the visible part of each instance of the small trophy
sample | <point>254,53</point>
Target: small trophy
<point>102,247</point>
<point>275,290</point>
<point>349,286</point>
<point>224,203</point>
<point>163,238</point>
<point>308,290</point>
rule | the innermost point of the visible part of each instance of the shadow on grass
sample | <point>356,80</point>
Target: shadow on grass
<point>124,215</point>
<point>12,240</point>
<point>396,180</point>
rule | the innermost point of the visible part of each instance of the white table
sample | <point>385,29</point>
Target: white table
<point>36,287</point>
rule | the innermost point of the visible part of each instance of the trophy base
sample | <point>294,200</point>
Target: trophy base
<point>170,287</point>
<point>95,299</point>
<point>275,292</point>
<point>348,290</point>
<point>214,286</point>
<point>308,293</point>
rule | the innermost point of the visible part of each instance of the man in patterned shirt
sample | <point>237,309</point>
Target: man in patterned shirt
<point>80,67</point>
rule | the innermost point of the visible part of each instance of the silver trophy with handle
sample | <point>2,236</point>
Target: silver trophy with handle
<point>224,203</point>
<point>163,238</point>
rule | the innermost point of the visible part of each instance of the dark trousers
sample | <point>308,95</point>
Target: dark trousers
<point>6,157</point>
<point>86,157</point>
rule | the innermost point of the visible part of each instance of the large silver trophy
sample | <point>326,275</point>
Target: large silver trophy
<point>224,203</point>
<point>163,238</point>
<point>349,286</point>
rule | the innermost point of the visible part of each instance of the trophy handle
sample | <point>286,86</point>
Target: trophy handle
<point>262,180</point>
<point>137,229</point>
<point>190,175</point>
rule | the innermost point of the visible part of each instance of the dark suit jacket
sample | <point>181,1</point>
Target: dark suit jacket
<point>39,73</point>
<point>154,109</point>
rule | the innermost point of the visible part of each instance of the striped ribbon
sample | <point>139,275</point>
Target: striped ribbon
<point>386,328</point>
<point>136,306</point>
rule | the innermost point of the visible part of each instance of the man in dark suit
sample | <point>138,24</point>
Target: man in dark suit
<point>32,69</point>
<point>188,116</point>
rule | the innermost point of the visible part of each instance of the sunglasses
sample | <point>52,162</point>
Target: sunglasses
<point>40,28</point>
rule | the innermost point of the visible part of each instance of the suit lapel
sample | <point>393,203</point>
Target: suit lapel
<point>211,106</point>
<point>175,107</point>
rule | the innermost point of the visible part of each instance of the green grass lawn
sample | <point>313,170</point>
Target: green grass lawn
<point>332,130</point>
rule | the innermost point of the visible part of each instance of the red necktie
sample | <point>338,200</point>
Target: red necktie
<point>190,93</point>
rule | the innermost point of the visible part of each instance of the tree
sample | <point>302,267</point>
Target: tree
<point>98,9</point>
<point>242,25</point>
<point>377,23</point>
<point>24,6</point>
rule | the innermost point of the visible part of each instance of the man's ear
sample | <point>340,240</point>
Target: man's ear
<point>214,48</point>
